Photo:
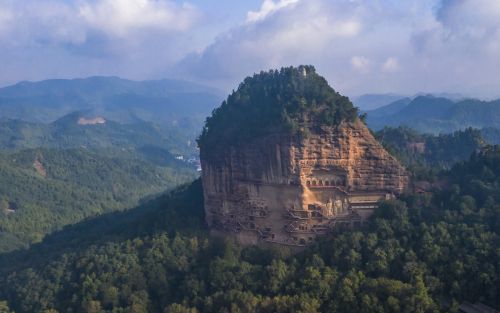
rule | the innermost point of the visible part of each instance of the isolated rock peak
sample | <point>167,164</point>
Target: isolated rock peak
<point>286,159</point>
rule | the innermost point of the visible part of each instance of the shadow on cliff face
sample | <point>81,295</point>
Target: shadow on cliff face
<point>178,211</point>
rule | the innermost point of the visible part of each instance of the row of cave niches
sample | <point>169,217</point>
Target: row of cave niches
<point>326,183</point>
<point>301,230</point>
<point>302,235</point>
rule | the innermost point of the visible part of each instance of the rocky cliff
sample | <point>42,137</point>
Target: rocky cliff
<point>289,187</point>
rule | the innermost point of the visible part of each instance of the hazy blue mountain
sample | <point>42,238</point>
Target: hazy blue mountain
<point>447,95</point>
<point>436,114</point>
<point>369,102</point>
<point>427,107</point>
<point>391,108</point>
<point>476,112</point>
<point>166,102</point>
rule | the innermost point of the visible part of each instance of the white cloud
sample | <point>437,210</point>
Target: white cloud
<point>346,28</point>
<point>467,25</point>
<point>131,38</point>
<point>359,46</point>
<point>360,63</point>
<point>268,7</point>
<point>306,32</point>
<point>472,19</point>
<point>5,19</point>
<point>75,21</point>
<point>463,44</point>
<point>390,65</point>
<point>119,17</point>
<point>425,45</point>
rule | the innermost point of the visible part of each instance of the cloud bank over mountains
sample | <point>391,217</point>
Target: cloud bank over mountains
<point>360,46</point>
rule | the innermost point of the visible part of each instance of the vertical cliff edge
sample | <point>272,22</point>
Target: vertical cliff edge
<point>285,159</point>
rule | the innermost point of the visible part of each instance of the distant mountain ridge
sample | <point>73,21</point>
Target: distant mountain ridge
<point>369,102</point>
<point>373,101</point>
<point>165,102</point>
<point>431,114</point>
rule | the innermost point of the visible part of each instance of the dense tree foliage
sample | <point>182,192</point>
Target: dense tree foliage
<point>42,190</point>
<point>83,170</point>
<point>422,253</point>
<point>425,154</point>
<point>274,101</point>
<point>66,133</point>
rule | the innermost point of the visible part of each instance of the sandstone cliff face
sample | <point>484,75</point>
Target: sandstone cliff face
<point>289,189</point>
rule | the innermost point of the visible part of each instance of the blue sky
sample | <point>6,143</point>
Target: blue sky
<point>360,46</point>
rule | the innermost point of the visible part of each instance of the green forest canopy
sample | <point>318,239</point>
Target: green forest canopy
<point>432,151</point>
<point>423,253</point>
<point>76,184</point>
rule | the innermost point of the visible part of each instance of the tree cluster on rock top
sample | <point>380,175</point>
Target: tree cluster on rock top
<point>275,101</point>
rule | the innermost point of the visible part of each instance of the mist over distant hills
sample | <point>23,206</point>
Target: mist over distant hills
<point>372,101</point>
<point>368,102</point>
<point>167,102</point>
<point>179,108</point>
<point>431,114</point>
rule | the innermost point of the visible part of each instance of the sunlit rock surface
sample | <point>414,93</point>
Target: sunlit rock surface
<point>288,189</point>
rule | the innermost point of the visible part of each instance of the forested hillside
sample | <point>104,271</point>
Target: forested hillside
<point>69,132</point>
<point>423,253</point>
<point>368,102</point>
<point>436,115</point>
<point>42,190</point>
<point>165,113</point>
<point>80,166</point>
<point>417,150</point>
<point>87,199</point>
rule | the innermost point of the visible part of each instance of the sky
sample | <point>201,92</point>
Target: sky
<point>371,46</point>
